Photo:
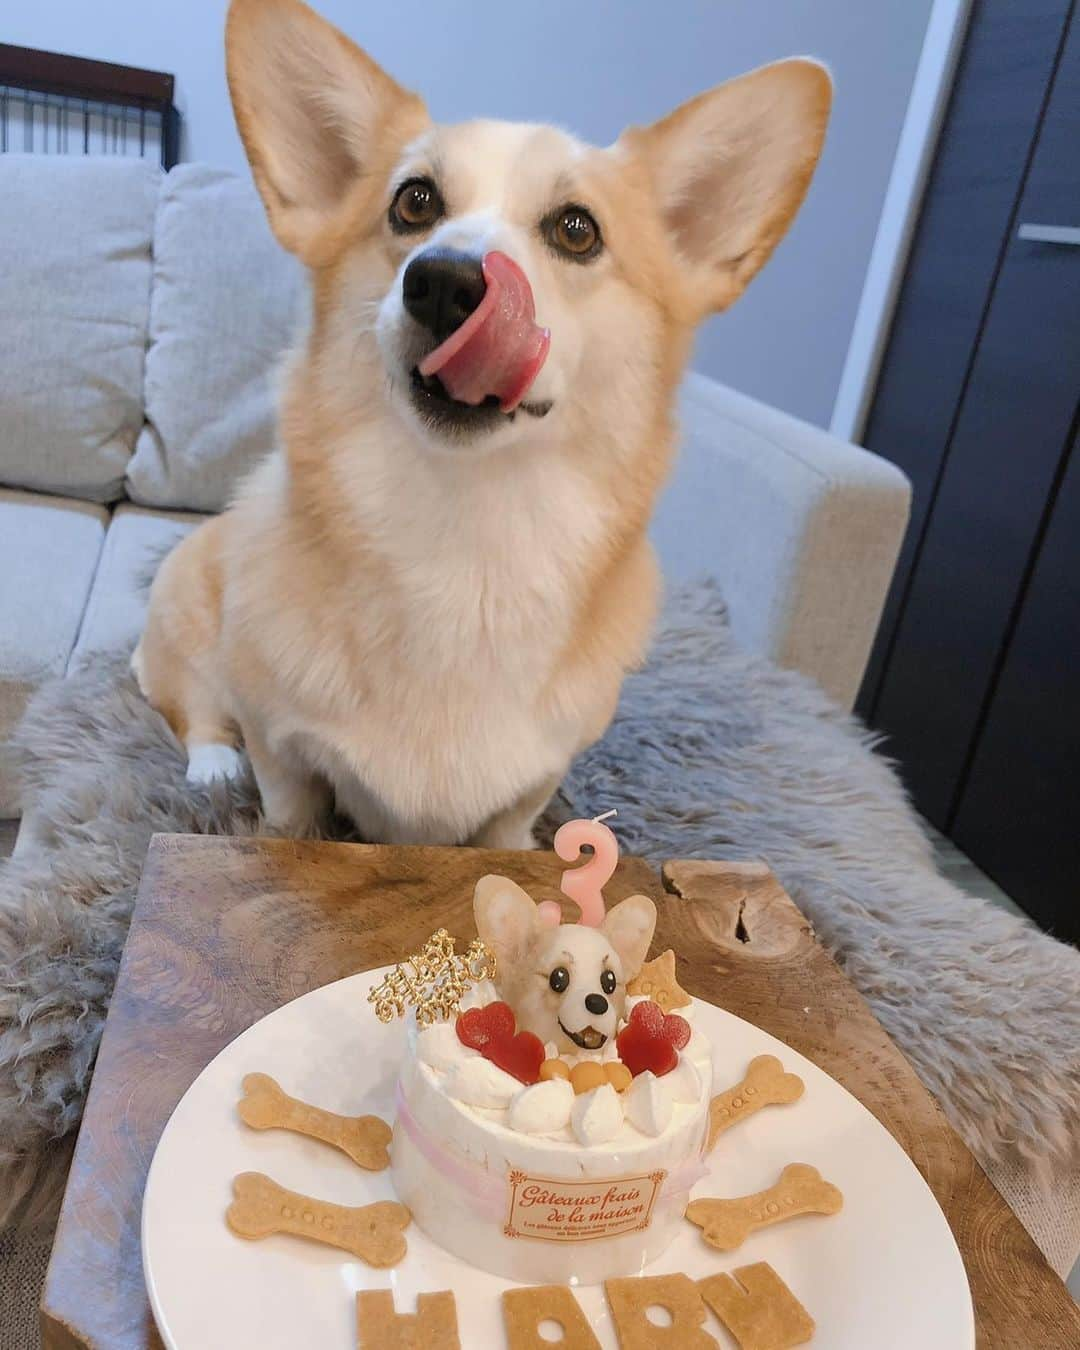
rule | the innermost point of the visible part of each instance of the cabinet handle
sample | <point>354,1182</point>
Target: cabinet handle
<point>1051,234</point>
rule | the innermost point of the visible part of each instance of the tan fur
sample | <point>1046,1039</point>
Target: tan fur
<point>431,632</point>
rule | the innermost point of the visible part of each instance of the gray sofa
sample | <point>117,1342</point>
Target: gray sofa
<point>142,315</point>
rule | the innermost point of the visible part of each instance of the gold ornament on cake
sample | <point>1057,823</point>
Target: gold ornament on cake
<point>433,980</point>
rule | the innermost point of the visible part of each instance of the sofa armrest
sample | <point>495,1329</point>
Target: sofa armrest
<point>801,529</point>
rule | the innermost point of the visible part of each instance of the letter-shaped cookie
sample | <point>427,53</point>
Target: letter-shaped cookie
<point>266,1106</point>
<point>524,1310</point>
<point>432,1327</point>
<point>374,1233</point>
<point>758,1308</point>
<point>765,1084</point>
<point>630,1299</point>
<point>801,1189</point>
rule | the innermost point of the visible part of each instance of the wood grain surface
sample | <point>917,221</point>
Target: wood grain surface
<point>226,930</point>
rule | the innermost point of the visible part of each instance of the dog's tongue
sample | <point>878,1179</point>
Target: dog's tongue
<point>500,348</point>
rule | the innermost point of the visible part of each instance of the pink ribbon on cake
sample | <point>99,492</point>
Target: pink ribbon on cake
<point>682,1182</point>
<point>487,1195</point>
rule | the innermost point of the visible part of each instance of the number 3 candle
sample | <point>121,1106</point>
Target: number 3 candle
<point>584,885</point>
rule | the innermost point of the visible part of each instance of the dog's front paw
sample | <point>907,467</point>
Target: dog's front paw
<point>504,835</point>
<point>213,763</point>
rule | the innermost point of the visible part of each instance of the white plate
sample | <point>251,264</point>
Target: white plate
<point>885,1272</point>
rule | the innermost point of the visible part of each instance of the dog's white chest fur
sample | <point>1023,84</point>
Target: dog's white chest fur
<point>454,719</point>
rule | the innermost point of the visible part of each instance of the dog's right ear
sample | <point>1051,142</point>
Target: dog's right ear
<point>730,169</point>
<point>314,112</point>
<point>507,919</point>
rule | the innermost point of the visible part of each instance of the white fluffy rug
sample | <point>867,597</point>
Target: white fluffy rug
<point>713,754</point>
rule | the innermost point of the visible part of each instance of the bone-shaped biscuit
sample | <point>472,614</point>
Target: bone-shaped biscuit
<point>765,1084</point>
<point>266,1106</point>
<point>726,1224</point>
<point>374,1233</point>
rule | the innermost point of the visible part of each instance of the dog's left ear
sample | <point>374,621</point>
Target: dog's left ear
<point>629,927</point>
<point>730,170</point>
<point>316,115</point>
<point>507,920</point>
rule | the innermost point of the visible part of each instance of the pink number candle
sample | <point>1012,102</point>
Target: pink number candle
<point>584,885</point>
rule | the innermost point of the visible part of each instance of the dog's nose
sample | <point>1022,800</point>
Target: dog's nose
<point>596,1004</point>
<point>441,288</point>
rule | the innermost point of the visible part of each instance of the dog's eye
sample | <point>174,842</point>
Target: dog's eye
<point>416,205</point>
<point>573,232</point>
<point>559,979</point>
<point>608,982</point>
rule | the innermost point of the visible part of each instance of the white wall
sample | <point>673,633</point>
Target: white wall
<point>594,65</point>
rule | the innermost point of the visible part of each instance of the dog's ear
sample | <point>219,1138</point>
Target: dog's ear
<point>629,927</point>
<point>731,168</point>
<point>313,111</point>
<point>507,919</point>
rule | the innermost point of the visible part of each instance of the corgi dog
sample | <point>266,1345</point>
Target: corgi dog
<point>565,983</point>
<point>422,606</point>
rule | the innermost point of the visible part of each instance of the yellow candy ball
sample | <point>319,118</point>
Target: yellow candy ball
<point>619,1076</point>
<point>586,1076</point>
<point>554,1068</point>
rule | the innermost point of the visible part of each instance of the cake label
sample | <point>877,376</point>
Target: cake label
<point>557,1210</point>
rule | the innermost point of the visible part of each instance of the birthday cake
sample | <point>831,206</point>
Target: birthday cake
<point>551,1126</point>
<point>553,1109</point>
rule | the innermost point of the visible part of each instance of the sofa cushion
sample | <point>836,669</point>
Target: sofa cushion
<point>225,304</point>
<point>49,548</point>
<point>74,307</point>
<point>136,542</point>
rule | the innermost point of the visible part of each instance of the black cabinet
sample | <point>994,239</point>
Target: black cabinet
<point>1018,812</point>
<point>976,673</point>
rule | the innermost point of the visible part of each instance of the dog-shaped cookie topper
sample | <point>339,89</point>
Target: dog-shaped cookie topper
<point>566,982</point>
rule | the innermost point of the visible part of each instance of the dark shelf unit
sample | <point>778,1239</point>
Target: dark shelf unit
<point>55,104</point>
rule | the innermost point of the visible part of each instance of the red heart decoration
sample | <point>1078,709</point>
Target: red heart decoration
<point>491,1031</point>
<point>652,1039</point>
<point>520,1056</point>
<point>479,1027</point>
